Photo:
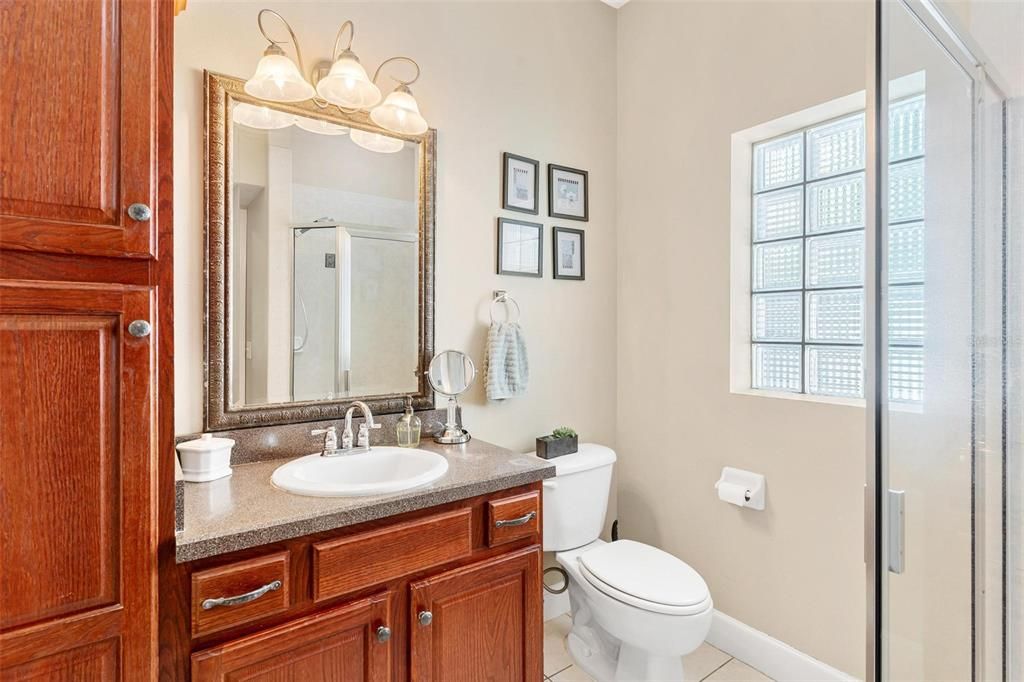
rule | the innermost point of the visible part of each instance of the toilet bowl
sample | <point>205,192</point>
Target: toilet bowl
<point>636,610</point>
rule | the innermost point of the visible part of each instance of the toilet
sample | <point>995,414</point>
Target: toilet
<point>636,610</point>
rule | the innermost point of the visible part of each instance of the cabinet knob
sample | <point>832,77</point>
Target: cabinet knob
<point>426,618</point>
<point>383,633</point>
<point>140,328</point>
<point>140,212</point>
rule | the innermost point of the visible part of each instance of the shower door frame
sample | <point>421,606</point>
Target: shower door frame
<point>961,48</point>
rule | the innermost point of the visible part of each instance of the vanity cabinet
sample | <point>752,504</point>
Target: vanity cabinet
<point>478,622</point>
<point>349,644</point>
<point>421,596</point>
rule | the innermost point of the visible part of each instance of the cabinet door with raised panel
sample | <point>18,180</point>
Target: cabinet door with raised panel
<point>351,643</point>
<point>77,482</point>
<point>78,125</point>
<point>479,622</point>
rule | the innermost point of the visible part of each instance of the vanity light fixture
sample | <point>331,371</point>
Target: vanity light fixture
<point>277,78</point>
<point>375,142</point>
<point>345,85</point>
<point>261,118</point>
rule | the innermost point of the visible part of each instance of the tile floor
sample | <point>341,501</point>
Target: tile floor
<point>706,663</point>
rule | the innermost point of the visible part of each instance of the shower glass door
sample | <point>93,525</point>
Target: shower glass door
<point>940,354</point>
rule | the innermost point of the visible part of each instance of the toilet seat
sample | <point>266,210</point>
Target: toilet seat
<point>645,577</point>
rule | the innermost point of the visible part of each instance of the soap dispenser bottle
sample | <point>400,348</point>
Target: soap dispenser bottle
<point>408,429</point>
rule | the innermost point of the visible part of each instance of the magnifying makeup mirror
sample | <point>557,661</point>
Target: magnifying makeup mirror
<point>451,372</point>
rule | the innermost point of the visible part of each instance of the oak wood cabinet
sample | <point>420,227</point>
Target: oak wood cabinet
<point>86,416</point>
<point>478,622</point>
<point>421,596</point>
<point>79,114</point>
<point>349,644</point>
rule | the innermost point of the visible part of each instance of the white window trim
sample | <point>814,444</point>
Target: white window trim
<point>742,146</point>
<point>741,224</point>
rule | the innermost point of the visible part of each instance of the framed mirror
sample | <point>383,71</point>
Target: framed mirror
<point>319,261</point>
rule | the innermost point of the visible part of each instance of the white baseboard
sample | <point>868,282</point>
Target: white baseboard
<point>775,659</point>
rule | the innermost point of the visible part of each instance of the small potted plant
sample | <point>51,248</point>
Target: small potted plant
<point>562,441</point>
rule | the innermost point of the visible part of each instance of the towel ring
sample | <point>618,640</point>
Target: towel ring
<point>503,297</point>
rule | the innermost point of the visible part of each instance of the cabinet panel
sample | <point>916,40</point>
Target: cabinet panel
<point>371,558</point>
<point>337,645</point>
<point>68,173</point>
<point>484,622</point>
<point>268,575</point>
<point>77,462</point>
<point>98,661</point>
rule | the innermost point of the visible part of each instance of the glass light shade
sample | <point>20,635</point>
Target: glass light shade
<point>400,113</point>
<point>278,79</point>
<point>320,127</point>
<point>347,84</point>
<point>263,118</point>
<point>375,142</point>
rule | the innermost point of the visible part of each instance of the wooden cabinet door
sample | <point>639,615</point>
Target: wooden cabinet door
<point>78,125</point>
<point>338,645</point>
<point>77,481</point>
<point>484,622</point>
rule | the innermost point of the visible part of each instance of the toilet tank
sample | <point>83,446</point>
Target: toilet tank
<point>576,499</point>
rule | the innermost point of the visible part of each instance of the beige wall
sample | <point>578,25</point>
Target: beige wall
<point>536,79</point>
<point>690,75</point>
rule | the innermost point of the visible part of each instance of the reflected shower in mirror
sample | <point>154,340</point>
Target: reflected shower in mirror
<point>324,248</point>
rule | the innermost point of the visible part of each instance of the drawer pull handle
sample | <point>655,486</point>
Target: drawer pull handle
<point>242,598</point>
<point>521,521</point>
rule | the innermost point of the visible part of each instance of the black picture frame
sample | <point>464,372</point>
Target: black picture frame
<point>555,231</point>
<point>552,167</point>
<point>506,157</point>
<point>502,222</point>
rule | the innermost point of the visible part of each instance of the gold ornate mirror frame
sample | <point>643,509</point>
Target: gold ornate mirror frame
<point>218,412</point>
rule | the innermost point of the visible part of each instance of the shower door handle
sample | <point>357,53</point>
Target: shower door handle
<point>897,526</point>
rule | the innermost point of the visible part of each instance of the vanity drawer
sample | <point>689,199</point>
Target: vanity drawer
<point>238,593</point>
<point>372,558</point>
<point>513,518</point>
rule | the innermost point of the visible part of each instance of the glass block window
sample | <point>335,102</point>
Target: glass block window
<point>808,260</point>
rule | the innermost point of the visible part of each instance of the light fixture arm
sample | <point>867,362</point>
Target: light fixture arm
<point>278,43</point>
<point>387,61</point>
<point>337,41</point>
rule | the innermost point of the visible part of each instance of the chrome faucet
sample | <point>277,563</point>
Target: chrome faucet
<point>363,439</point>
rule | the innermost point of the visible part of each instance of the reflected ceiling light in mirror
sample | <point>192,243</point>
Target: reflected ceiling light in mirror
<point>262,118</point>
<point>319,127</point>
<point>375,142</point>
<point>277,77</point>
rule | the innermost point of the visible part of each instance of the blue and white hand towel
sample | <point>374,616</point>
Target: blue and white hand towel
<point>507,367</point>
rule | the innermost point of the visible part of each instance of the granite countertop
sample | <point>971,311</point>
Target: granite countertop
<point>245,510</point>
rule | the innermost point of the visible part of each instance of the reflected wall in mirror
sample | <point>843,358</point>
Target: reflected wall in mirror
<point>320,261</point>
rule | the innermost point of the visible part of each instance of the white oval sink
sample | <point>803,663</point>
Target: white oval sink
<point>380,471</point>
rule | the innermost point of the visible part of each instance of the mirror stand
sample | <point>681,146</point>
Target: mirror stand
<point>453,433</point>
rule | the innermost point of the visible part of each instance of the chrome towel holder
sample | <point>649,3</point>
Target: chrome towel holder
<point>502,296</point>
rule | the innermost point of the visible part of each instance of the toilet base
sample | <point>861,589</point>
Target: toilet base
<point>599,658</point>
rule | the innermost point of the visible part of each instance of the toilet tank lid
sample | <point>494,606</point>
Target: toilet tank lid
<point>589,456</point>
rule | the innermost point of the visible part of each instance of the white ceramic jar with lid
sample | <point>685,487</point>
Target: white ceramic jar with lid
<point>205,459</point>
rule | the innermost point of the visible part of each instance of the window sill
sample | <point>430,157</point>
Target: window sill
<point>911,408</point>
<point>801,397</point>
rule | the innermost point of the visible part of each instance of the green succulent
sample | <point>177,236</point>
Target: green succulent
<point>564,432</point>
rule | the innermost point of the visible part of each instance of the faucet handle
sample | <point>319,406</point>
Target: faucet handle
<point>330,435</point>
<point>363,440</point>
